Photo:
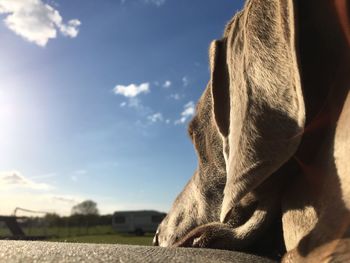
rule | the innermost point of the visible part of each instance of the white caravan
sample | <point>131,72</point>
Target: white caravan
<point>138,222</point>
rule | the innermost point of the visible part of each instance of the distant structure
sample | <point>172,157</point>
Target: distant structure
<point>13,226</point>
<point>27,210</point>
<point>138,222</point>
<point>16,230</point>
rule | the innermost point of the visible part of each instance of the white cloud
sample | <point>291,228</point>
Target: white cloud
<point>36,21</point>
<point>189,109</point>
<point>167,84</point>
<point>157,117</point>
<point>14,179</point>
<point>132,90</point>
<point>187,113</point>
<point>70,30</point>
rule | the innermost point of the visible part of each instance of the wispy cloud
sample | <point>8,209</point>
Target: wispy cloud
<point>155,2</point>
<point>81,172</point>
<point>74,178</point>
<point>132,93</point>
<point>136,103</point>
<point>156,117</point>
<point>132,90</point>
<point>44,176</point>
<point>14,179</point>
<point>36,21</point>
<point>66,199</point>
<point>175,96</point>
<point>167,84</point>
<point>185,81</point>
<point>77,174</point>
<point>187,113</point>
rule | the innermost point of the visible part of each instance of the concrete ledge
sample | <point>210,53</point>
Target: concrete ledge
<point>34,251</point>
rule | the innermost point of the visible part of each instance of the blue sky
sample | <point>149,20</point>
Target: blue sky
<point>95,97</point>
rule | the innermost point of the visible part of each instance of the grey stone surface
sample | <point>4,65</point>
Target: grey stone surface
<point>28,251</point>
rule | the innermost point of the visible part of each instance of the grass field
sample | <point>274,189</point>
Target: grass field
<point>109,239</point>
<point>97,234</point>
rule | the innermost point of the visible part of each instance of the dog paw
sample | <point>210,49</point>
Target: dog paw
<point>214,235</point>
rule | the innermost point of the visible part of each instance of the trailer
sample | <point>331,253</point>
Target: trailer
<point>137,222</point>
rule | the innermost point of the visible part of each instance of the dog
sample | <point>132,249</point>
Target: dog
<point>271,132</point>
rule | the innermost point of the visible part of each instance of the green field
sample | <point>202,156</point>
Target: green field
<point>109,239</point>
<point>96,234</point>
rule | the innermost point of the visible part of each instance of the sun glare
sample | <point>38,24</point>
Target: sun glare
<point>8,116</point>
<point>7,111</point>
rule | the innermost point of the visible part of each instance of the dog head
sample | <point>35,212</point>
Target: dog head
<point>248,123</point>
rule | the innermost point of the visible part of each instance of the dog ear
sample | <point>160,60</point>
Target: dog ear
<point>257,96</point>
<point>219,83</point>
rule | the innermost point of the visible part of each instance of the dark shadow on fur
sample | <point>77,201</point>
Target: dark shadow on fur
<point>324,61</point>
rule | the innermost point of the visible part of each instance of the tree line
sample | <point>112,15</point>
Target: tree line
<point>85,213</point>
